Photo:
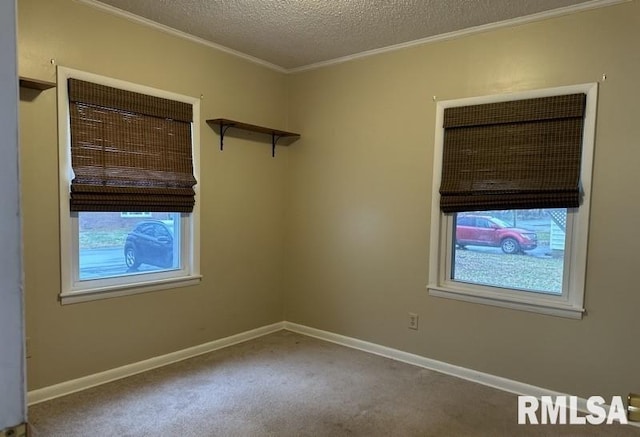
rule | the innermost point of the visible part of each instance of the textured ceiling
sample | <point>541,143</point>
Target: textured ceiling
<point>296,33</point>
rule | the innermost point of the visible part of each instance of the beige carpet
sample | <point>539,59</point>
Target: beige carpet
<point>286,384</point>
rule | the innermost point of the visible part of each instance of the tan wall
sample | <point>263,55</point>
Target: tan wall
<point>242,198</point>
<point>360,195</point>
<point>350,200</point>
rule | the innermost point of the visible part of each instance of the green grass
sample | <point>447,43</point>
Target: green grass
<point>509,271</point>
<point>102,239</point>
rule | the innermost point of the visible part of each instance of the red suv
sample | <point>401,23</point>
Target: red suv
<point>477,230</point>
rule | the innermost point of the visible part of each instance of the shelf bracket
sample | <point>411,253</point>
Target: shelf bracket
<point>223,129</point>
<point>274,141</point>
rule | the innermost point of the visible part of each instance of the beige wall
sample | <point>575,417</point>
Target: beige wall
<point>339,221</point>
<point>360,195</point>
<point>242,202</point>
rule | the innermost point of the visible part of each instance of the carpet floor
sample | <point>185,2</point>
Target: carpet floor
<point>286,384</point>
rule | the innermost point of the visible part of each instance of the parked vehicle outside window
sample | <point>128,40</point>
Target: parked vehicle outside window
<point>478,230</point>
<point>114,244</point>
<point>150,242</point>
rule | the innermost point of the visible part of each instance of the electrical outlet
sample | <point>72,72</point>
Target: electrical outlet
<point>413,321</point>
<point>27,347</point>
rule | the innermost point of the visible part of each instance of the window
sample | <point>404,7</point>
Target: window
<point>128,187</point>
<point>483,238</point>
<point>112,247</point>
<point>510,206</point>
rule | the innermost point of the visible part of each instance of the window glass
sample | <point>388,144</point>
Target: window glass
<point>112,244</point>
<point>464,220</point>
<point>515,249</point>
<point>135,214</point>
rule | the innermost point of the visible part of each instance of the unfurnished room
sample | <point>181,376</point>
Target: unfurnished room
<point>319,218</point>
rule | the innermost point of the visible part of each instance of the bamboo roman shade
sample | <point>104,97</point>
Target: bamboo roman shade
<point>129,151</point>
<point>520,154</point>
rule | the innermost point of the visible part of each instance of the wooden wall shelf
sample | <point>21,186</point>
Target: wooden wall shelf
<point>225,124</point>
<point>36,84</point>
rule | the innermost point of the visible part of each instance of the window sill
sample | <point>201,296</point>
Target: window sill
<point>547,308</point>
<point>109,292</point>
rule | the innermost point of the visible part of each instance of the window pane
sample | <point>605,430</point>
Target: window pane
<point>117,244</point>
<point>516,249</point>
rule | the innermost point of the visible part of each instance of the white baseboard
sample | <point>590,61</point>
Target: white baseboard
<point>75,385</point>
<point>497,382</point>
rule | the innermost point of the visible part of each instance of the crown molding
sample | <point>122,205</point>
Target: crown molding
<point>567,10</point>
<point>170,30</point>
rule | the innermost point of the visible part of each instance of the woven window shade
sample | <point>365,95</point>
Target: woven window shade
<point>521,154</point>
<point>129,151</point>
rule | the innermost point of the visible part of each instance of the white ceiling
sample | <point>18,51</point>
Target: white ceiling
<point>296,34</point>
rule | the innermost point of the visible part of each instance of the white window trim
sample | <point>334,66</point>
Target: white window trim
<point>571,303</point>
<point>73,291</point>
